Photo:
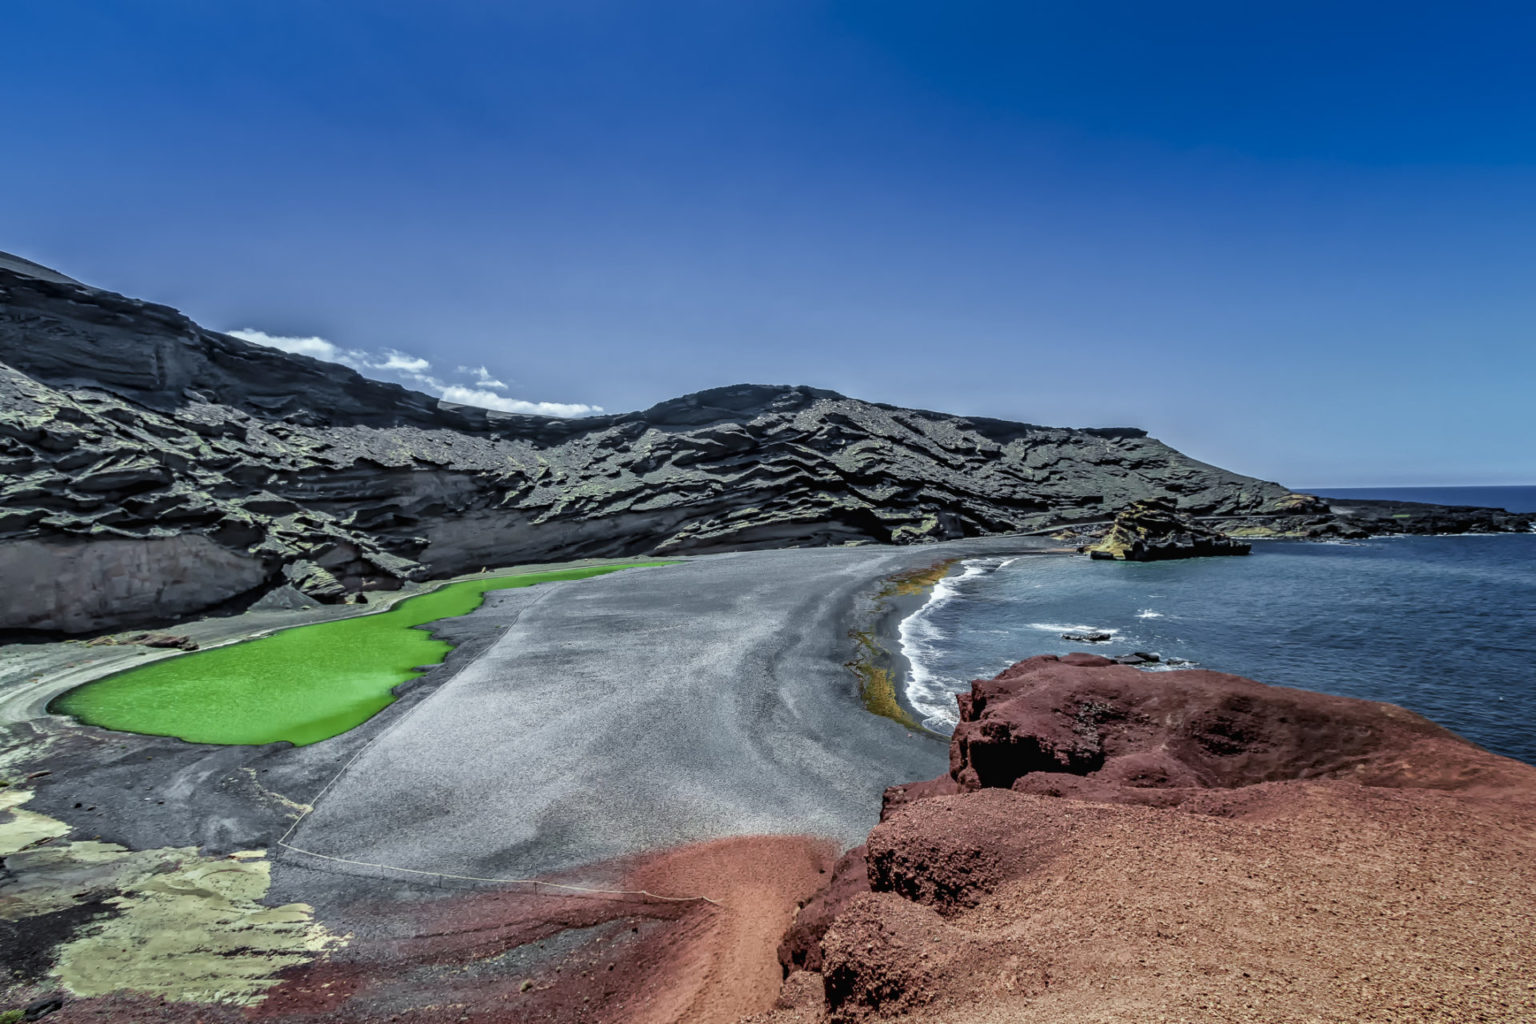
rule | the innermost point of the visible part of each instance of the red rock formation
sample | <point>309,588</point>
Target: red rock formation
<point>1086,727</point>
<point>1118,845</point>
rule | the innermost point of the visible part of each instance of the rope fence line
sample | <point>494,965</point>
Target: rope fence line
<point>534,882</point>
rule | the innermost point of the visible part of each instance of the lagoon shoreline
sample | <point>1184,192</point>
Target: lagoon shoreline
<point>757,751</point>
<point>145,791</point>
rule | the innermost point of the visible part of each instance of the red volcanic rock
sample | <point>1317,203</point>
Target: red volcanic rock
<point>1124,730</point>
<point>1125,846</point>
<point>801,948</point>
<point>914,955</point>
<point>900,796</point>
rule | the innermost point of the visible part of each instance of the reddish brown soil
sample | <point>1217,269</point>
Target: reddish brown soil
<point>1111,846</point>
<point>1187,846</point>
<point>501,957</point>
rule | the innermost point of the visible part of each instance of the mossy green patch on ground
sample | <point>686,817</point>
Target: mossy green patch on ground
<point>872,663</point>
<point>302,685</point>
<point>916,581</point>
<point>877,683</point>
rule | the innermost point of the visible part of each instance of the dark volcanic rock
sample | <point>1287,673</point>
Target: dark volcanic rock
<point>129,431</point>
<point>153,468</point>
<point>1153,530</point>
<point>166,640</point>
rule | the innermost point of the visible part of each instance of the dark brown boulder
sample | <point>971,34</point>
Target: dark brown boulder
<point>171,640</point>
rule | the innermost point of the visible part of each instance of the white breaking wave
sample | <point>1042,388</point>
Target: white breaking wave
<point>930,694</point>
<point>1148,613</point>
<point>1057,627</point>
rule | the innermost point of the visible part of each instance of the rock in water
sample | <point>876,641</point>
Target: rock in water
<point>1153,529</point>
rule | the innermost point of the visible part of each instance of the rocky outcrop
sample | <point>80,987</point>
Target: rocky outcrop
<point>1089,727</point>
<point>1116,846</point>
<point>78,584</point>
<point>801,948</point>
<point>122,420</point>
<point>1153,530</point>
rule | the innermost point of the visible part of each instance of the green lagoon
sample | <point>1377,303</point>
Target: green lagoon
<point>303,684</point>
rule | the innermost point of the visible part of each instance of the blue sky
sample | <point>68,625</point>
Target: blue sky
<point>1296,240</point>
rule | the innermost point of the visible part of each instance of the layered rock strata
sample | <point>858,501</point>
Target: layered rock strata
<point>1154,530</point>
<point>151,468</point>
<point>1112,845</point>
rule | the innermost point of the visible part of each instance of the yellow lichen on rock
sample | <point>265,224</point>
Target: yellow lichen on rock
<point>24,828</point>
<point>177,925</point>
<point>195,934</point>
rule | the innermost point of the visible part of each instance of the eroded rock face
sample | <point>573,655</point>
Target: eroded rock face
<point>75,584</point>
<point>1113,732</point>
<point>124,420</point>
<point>1113,845</point>
<point>801,948</point>
<point>1154,530</point>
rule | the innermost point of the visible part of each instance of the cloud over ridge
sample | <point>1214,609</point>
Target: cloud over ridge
<point>481,391</point>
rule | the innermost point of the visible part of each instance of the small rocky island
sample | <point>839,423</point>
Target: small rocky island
<point>1153,530</point>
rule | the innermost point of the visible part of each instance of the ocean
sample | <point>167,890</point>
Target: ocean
<point>1445,626</point>
<point>1510,499</point>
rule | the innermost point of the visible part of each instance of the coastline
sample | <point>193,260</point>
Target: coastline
<point>110,773</point>
<point>1196,846</point>
<point>880,663</point>
<point>883,645</point>
<point>736,663</point>
<point>744,691</point>
<point>1328,602</point>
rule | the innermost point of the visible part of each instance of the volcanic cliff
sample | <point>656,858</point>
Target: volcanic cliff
<point>1116,845</point>
<point>154,469</point>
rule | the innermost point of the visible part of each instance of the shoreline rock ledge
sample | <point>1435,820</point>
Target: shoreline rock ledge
<point>1116,846</point>
<point>1154,530</point>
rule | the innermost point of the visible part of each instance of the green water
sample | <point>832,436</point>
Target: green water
<point>302,685</point>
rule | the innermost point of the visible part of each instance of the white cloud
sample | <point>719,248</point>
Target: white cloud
<point>483,377</point>
<point>491,400</point>
<point>481,392</point>
<point>318,348</point>
<point>402,362</point>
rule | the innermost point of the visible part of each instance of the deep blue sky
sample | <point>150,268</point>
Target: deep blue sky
<point>1298,239</point>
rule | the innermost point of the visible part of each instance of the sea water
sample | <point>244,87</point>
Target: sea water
<point>1445,626</point>
<point>1510,499</point>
